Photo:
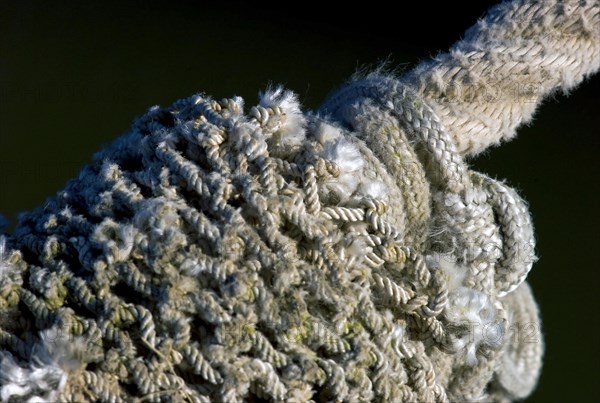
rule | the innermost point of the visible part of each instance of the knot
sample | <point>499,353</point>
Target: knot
<point>480,221</point>
<point>518,241</point>
<point>487,228</point>
<point>355,102</point>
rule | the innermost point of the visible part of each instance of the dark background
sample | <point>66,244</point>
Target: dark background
<point>73,75</point>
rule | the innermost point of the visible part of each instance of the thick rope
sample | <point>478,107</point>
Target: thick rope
<point>349,255</point>
<point>492,80</point>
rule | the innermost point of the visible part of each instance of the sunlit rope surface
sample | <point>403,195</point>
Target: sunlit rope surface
<point>220,252</point>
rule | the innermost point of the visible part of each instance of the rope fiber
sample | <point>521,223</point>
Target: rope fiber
<point>223,253</point>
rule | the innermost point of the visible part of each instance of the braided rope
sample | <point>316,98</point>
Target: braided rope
<point>174,261</point>
<point>213,255</point>
<point>493,79</point>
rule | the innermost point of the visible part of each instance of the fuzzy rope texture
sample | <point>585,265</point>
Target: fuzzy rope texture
<point>221,254</point>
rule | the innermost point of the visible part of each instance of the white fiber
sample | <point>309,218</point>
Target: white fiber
<point>326,133</point>
<point>345,155</point>
<point>44,375</point>
<point>6,269</point>
<point>292,131</point>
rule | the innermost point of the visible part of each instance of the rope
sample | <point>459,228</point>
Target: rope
<point>347,255</point>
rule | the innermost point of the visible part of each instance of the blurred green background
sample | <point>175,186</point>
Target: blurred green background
<point>73,74</point>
